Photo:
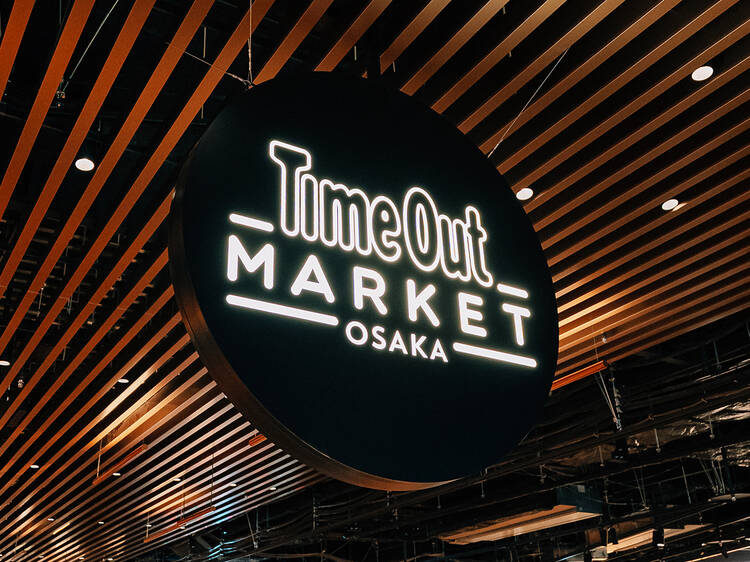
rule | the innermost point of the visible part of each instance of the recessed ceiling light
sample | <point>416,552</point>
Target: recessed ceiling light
<point>4,363</point>
<point>110,559</point>
<point>81,558</point>
<point>101,522</point>
<point>116,474</point>
<point>524,194</point>
<point>670,204</point>
<point>123,381</point>
<point>702,73</point>
<point>273,488</point>
<point>85,164</point>
<point>176,479</point>
<point>33,466</point>
<point>233,484</point>
<point>50,518</point>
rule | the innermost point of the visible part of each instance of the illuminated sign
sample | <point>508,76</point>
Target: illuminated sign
<point>362,283</point>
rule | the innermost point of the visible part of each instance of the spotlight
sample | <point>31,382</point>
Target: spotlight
<point>670,204</point>
<point>123,381</point>
<point>524,194</point>
<point>702,73</point>
<point>4,363</point>
<point>33,466</point>
<point>273,488</point>
<point>50,518</point>
<point>176,479</point>
<point>85,164</point>
<point>116,474</point>
<point>101,522</point>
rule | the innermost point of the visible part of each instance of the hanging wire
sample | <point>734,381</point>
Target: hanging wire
<point>86,50</point>
<point>527,103</point>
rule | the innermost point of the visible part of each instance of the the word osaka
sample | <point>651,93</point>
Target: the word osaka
<point>326,211</point>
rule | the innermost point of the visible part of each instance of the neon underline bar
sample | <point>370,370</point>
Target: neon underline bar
<point>512,291</point>
<point>257,224</point>
<point>493,354</point>
<point>283,310</point>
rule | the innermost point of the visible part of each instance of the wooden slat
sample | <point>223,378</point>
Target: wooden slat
<point>664,118</point>
<point>77,17</point>
<point>283,53</point>
<point>580,72</point>
<point>663,85</point>
<point>110,470</point>
<point>413,30</point>
<point>11,40</point>
<point>534,20</point>
<point>451,47</point>
<point>148,95</point>
<point>358,28</point>
<point>99,91</point>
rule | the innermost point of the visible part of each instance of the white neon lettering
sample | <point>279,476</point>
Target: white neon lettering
<point>477,236</point>
<point>493,354</point>
<point>416,346</point>
<point>387,222</point>
<point>264,258</point>
<point>278,150</point>
<point>465,314</point>
<point>455,252</point>
<point>518,313</point>
<point>375,294</point>
<point>378,341</point>
<point>320,285</point>
<point>309,221</point>
<point>362,339</point>
<point>339,207</point>
<point>512,291</point>
<point>330,212</point>
<point>415,214</point>
<point>283,310</point>
<point>250,222</point>
<point>415,302</point>
<point>397,342</point>
<point>438,351</point>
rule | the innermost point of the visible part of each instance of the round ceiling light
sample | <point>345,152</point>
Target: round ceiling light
<point>524,194</point>
<point>702,73</point>
<point>670,204</point>
<point>85,164</point>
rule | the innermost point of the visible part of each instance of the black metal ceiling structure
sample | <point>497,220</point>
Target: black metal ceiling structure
<point>116,444</point>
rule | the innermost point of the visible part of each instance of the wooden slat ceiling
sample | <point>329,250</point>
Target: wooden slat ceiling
<point>590,104</point>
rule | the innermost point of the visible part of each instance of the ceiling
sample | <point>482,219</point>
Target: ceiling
<point>589,104</point>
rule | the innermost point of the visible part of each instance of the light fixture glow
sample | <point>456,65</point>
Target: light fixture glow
<point>524,194</point>
<point>272,488</point>
<point>101,522</point>
<point>702,73</point>
<point>116,474</point>
<point>233,484</point>
<point>85,164</point>
<point>176,479</point>
<point>670,204</point>
<point>50,518</point>
<point>4,363</point>
<point>34,466</point>
<point>123,381</point>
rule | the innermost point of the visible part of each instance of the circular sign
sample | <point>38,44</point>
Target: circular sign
<point>362,283</point>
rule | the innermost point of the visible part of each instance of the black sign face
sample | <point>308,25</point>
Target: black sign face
<point>362,283</point>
